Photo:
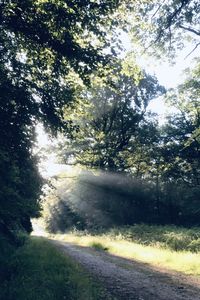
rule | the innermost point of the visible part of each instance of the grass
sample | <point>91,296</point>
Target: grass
<point>39,271</point>
<point>98,246</point>
<point>167,237</point>
<point>161,246</point>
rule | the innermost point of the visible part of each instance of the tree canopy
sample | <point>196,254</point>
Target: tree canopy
<point>45,47</point>
<point>108,121</point>
<point>164,27</point>
<point>152,177</point>
<point>49,50</point>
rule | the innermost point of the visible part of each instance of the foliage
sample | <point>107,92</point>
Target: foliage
<point>45,47</point>
<point>164,161</point>
<point>58,213</point>
<point>49,49</point>
<point>160,184</point>
<point>71,35</point>
<point>102,200</point>
<point>19,178</point>
<point>168,237</point>
<point>110,120</point>
<point>166,246</point>
<point>179,152</point>
<point>165,27</point>
<point>98,246</point>
<point>39,271</point>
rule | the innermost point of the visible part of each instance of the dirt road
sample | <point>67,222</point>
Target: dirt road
<point>126,279</point>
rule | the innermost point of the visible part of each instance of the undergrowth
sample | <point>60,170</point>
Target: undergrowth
<point>167,237</point>
<point>164,246</point>
<point>98,246</point>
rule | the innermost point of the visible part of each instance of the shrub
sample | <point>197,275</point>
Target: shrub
<point>98,246</point>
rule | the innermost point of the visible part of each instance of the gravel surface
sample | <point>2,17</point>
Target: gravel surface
<point>127,279</point>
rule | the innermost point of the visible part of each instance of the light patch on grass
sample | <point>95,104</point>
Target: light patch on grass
<point>182,261</point>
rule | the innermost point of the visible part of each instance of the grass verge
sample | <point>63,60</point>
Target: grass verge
<point>98,246</point>
<point>39,271</point>
<point>162,246</point>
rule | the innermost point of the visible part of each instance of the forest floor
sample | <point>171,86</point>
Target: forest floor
<point>128,279</point>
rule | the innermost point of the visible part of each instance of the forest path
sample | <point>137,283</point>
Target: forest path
<point>128,279</point>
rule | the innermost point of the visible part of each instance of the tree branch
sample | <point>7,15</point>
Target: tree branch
<point>190,29</point>
<point>197,45</point>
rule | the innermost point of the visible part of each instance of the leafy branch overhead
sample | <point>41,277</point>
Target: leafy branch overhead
<point>165,26</point>
<point>59,66</point>
<point>44,47</point>
<point>108,119</point>
<point>46,40</point>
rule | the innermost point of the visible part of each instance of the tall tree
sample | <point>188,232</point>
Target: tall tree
<point>178,153</point>
<point>183,129</point>
<point>45,47</point>
<point>109,122</point>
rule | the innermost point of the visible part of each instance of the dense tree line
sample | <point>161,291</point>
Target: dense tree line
<point>139,171</point>
<point>49,50</point>
<point>59,66</point>
<point>109,121</point>
<point>45,46</point>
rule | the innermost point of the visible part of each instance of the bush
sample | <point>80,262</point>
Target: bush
<point>170,237</point>
<point>98,246</point>
<point>194,246</point>
<point>177,241</point>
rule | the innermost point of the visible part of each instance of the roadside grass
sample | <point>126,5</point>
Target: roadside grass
<point>98,246</point>
<point>162,246</point>
<point>167,237</point>
<point>39,271</point>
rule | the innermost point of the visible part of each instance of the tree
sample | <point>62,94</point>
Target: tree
<point>43,49</point>
<point>96,200</point>
<point>166,26</point>
<point>182,130</point>
<point>109,123</point>
<point>19,178</point>
<point>44,46</point>
<point>181,152</point>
